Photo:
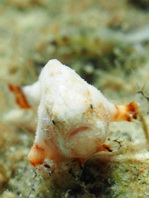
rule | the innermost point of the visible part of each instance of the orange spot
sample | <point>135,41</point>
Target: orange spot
<point>104,147</point>
<point>20,97</point>
<point>39,148</point>
<point>142,171</point>
<point>126,112</point>
<point>36,155</point>
<point>36,163</point>
<point>133,109</point>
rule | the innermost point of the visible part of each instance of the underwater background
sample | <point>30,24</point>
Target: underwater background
<point>107,43</point>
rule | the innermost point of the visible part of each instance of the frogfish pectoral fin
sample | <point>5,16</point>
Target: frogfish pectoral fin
<point>104,147</point>
<point>126,112</point>
<point>37,155</point>
<point>40,152</point>
<point>20,97</point>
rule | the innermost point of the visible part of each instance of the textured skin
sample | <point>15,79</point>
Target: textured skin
<point>73,116</point>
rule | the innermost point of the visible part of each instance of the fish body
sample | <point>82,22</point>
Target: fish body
<point>73,116</point>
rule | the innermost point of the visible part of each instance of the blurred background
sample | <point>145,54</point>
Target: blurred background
<point>105,41</point>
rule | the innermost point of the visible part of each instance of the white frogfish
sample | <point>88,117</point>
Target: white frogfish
<point>73,116</point>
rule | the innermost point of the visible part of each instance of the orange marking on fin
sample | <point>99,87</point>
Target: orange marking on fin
<point>36,155</point>
<point>126,112</point>
<point>104,147</point>
<point>133,109</point>
<point>20,97</point>
<point>39,153</point>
